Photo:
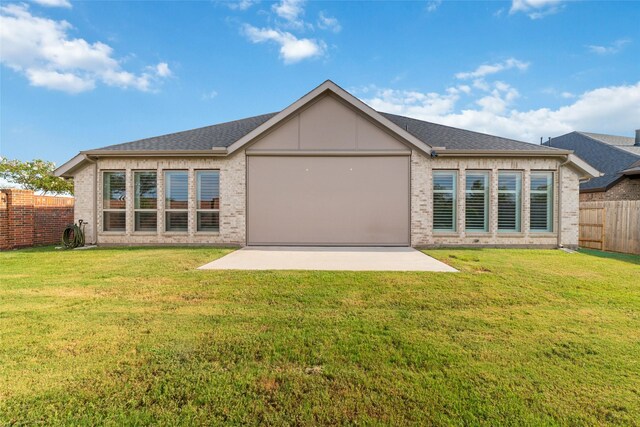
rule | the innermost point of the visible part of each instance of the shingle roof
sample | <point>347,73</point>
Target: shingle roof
<point>607,158</point>
<point>225,134</point>
<point>610,139</point>
<point>452,138</point>
<point>205,138</point>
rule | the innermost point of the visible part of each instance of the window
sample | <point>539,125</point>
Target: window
<point>208,200</point>
<point>444,200</point>
<point>509,201</point>
<point>541,217</point>
<point>176,190</point>
<point>476,201</point>
<point>145,201</point>
<point>114,201</point>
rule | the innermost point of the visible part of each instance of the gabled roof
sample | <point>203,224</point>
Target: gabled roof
<point>625,143</point>
<point>610,159</point>
<point>225,138</point>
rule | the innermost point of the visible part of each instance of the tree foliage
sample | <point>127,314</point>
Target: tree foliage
<point>36,175</point>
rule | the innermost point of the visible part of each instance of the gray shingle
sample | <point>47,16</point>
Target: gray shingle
<point>225,134</point>
<point>205,138</point>
<point>610,139</point>
<point>452,138</point>
<point>608,159</point>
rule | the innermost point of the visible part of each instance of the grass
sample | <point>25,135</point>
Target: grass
<point>138,336</point>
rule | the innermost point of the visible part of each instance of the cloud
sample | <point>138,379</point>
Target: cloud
<point>292,49</point>
<point>432,6</point>
<point>328,23</point>
<point>54,3</point>
<point>535,9</point>
<point>240,4</point>
<point>487,69</point>
<point>41,50</point>
<point>612,109</point>
<point>615,47</point>
<point>209,95</point>
<point>291,11</point>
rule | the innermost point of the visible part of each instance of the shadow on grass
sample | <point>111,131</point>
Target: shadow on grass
<point>633,259</point>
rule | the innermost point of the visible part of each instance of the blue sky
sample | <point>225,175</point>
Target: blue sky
<point>80,75</point>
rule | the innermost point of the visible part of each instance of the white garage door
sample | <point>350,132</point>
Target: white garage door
<point>313,200</point>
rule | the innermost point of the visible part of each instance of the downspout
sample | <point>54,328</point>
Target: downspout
<point>560,200</point>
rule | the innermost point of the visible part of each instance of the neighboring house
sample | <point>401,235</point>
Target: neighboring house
<point>617,157</point>
<point>328,170</point>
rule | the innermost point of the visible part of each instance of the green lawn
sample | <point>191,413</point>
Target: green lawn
<point>138,336</point>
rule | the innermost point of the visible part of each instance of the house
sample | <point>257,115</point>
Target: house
<point>617,157</point>
<point>328,170</point>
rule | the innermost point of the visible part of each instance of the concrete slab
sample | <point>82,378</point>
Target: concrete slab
<point>328,258</point>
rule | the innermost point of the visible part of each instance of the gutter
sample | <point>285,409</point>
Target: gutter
<point>215,151</point>
<point>502,153</point>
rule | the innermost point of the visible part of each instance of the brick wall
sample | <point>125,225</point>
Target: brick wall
<point>626,189</point>
<point>29,220</point>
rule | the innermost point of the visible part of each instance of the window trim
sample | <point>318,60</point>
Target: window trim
<point>105,210</point>
<point>519,201</point>
<point>487,194</point>
<point>550,200</point>
<point>454,193</point>
<point>164,204</point>
<point>197,173</point>
<point>136,210</point>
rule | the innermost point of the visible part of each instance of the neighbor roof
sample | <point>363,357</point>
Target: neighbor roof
<point>608,158</point>
<point>624,142</point>
<point>225,134</point>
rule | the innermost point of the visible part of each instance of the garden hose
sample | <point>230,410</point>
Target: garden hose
<point>73,235</point>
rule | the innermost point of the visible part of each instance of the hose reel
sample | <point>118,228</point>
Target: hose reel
<point>73,235</point>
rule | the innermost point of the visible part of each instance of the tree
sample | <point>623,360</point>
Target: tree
<point>36,175</point>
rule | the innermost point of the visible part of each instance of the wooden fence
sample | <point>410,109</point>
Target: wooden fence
<point>611,226</point>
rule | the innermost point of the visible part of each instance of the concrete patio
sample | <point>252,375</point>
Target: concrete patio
<point>328,258</point>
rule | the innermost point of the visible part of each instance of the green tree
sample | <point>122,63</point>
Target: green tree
<point>36,175</point>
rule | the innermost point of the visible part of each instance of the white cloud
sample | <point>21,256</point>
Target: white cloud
<point>433,5</point>
<point>535,9</point>
<point>328,23</point>
<point>291,11</point>
<point>487,69</point>
<point>613,109</point>
<point>41,49</point>
<point>292,49</point>
<point>615,47</point>
<point>53,3</point>
<point>240,4</point>
<point>162,70</point>
<point>209,95</point>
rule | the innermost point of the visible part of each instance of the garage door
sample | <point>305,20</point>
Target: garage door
<point>311,200</point>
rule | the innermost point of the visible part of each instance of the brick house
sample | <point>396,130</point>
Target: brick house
<point>617,157</point>
<point>329,170</point>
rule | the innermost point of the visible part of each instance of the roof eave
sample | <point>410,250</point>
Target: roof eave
<point>587,170</point>
<point>215,151</point>
<point>501,153</point>
<point>65,169</point>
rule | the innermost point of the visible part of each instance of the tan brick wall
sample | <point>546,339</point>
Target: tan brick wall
<point>83,184</point>
<point>421,201</point>
<point>626,189</point>
<point>233,201</point>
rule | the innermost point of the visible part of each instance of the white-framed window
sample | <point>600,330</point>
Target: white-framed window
<point>145,200</point>
<point>176,205</point>
<point>444,200</point>
<point>208,200</point>
<point>114,193</point>
<point>509,201</point>
<point>541,204</point>
<point>476,200</point>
